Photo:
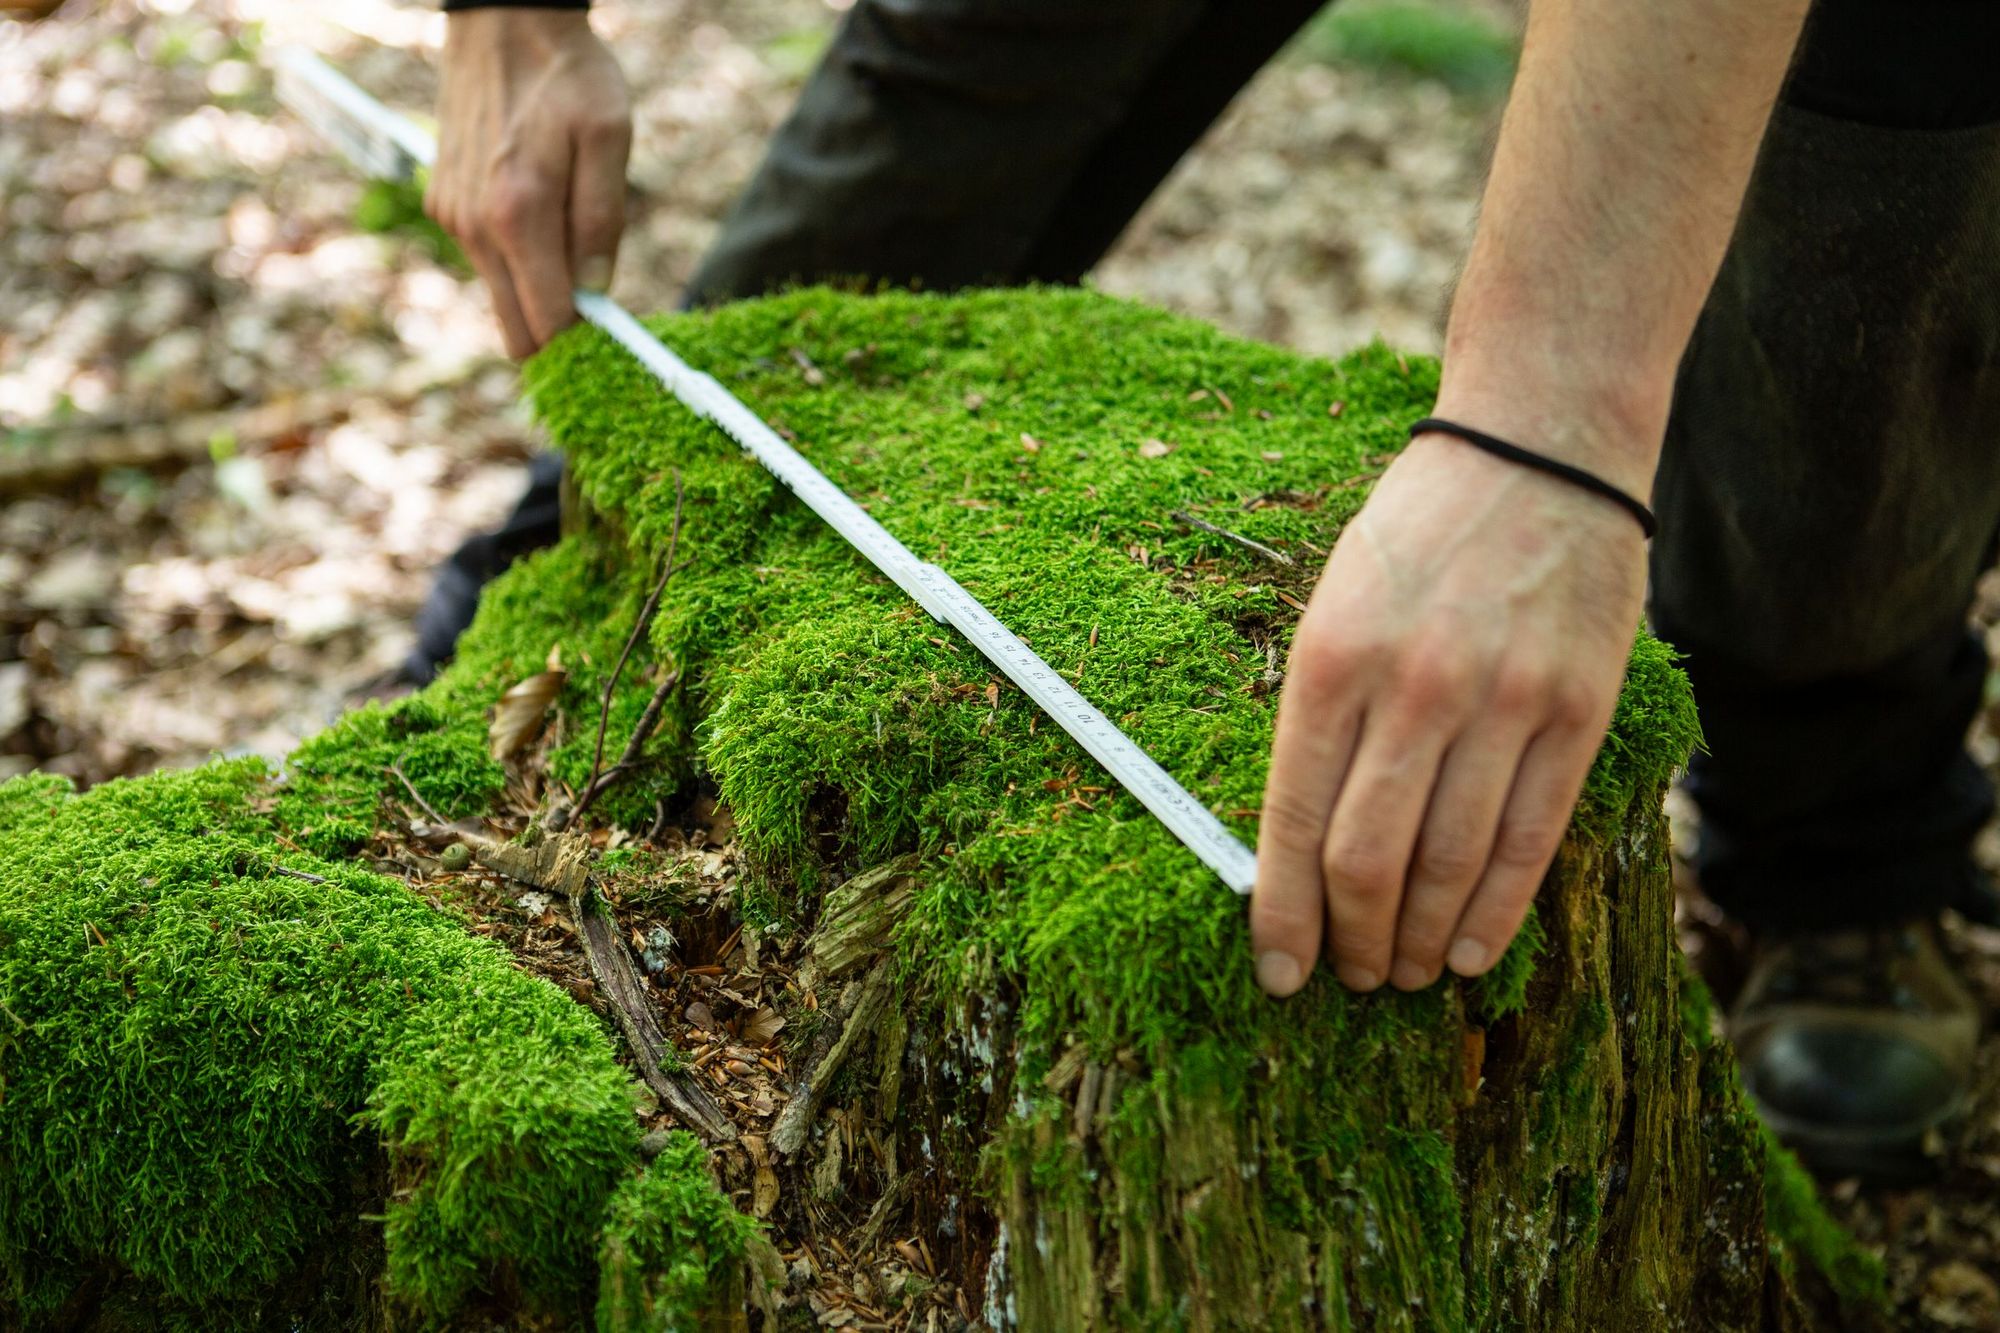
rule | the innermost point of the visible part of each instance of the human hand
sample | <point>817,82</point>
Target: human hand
<point>534,126</point>
<point>1448,688</point>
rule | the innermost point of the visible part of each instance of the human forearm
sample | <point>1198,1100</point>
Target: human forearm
<point>1621,163</point>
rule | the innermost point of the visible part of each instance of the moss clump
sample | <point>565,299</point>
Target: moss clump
<point>1799,1223</point>
<point>670,1247</point>
<point>211,1067</point>
<point>577,602</point>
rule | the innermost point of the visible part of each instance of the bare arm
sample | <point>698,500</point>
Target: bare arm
<point>1454,674</point>
<point>534,128</point>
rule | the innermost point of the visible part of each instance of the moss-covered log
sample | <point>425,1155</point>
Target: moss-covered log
<point>1037,1003</point>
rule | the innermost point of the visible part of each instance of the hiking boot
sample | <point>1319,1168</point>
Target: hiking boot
<point>1856,1046</point>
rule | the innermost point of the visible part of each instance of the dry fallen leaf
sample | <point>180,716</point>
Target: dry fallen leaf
<point>764,1026</point>
<point>1336,407</point>
<point>1155,449</point>
<point>518,719</point>
<point>1030,443</point>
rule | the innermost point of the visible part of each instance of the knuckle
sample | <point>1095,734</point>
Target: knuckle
<point>1278,914</point>
<point>603,129</point>
<point>1520,689</point>
<point>1291,820</point>
<point>508,205</point>
<point>1525,846</point>
<point>1574,704</point>
<point>1360,873</point>
<point>1318,666</point>
<point>1449,860</point>
<point>598,220</point>
<point>1429,680</point>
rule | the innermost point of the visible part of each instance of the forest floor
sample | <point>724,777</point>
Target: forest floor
<point>237,433</point>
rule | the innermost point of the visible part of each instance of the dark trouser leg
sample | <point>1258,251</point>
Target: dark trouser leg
<point>950,143</point>
<point>1831,485</point>
<point>447,610</point>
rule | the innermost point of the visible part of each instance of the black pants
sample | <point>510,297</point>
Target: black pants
<point>1831,484</point>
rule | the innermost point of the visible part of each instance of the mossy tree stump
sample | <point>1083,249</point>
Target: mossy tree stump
<point>1040,1003</point>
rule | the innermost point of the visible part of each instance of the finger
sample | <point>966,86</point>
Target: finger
<point>1454,846</point>
<point>1366,857</point>
<point>1309,756</point>
<point>523,211</point>
<point>514,331</point>
<point>597,201</point>
<point>1531,829</point>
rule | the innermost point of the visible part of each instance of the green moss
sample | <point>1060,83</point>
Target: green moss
<point>999,434</point>
<point>208,1065</point>
<point>1799,1222</point>
<point>1462,48</point>
<point>397,208</point>
<point>671,1245</point>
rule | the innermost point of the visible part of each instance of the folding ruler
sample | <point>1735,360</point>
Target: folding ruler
<point>389,147</point>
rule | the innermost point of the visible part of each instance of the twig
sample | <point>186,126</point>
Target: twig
<point>411,788</point>
<point>641,732</point>
<point>617,980</point>
<point>1277,557</point>
<point>561,865</point>
<point>638,632</point>
<point>290,873</point>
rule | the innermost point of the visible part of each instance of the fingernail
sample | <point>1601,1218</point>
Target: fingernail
<point>1278,972</point>
<point>1467,957</point>
<point>1358,978</point>
<point>594,274</point>
<point>1408,974</point>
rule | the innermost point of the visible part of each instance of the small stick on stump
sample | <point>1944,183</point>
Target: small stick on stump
<point>1248,544</point>
<point>411,788</point>
<point>641,733</point>
<point>638,632</point>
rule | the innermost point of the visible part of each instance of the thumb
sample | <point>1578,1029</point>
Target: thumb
<point>597,201</point>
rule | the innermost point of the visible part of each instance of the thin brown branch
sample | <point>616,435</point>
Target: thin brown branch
<point>411,788</point>
<point>639,629</point>
<point>642,731</point>
<point>1248,544</point>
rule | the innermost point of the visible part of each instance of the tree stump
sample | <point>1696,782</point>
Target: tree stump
<point>1027,1045</point>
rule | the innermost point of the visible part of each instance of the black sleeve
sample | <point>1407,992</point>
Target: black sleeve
<point>451,6</point>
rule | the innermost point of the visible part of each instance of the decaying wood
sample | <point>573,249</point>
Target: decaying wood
<point>884,1212</point>
<point>863,1016</point>
<point>561,864</point>
<point>857,919</point>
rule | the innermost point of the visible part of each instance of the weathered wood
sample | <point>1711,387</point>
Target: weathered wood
<point>561,864</point>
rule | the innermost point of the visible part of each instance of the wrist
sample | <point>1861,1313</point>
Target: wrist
<point>538,30</point>
<point>1609,419</point>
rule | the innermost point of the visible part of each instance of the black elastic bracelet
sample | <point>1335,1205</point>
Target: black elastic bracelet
<point>1555,467</point>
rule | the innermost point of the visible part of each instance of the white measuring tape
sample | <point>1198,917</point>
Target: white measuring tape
<point>389,147</point>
